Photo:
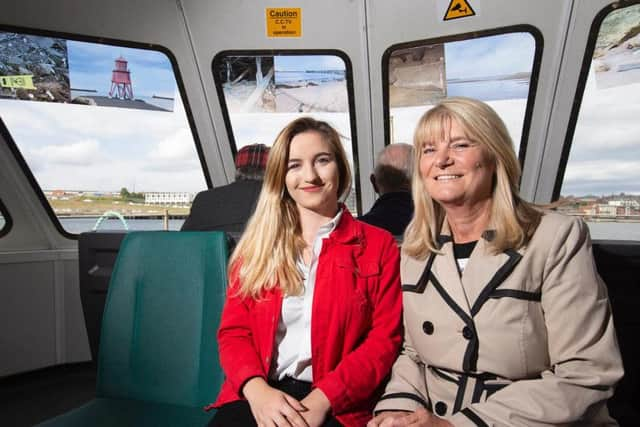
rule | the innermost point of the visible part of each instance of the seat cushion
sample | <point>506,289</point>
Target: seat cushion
<point>103,412</point>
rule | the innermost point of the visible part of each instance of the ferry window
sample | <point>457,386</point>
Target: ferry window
<point>5,220</point>
<point>102,129</point>
<point>262,93</point>
<point>602,175</point>
<point>495,68</point>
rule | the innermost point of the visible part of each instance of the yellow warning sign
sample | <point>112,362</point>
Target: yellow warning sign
<point>458,9</point>
<point>284,22</point>
<point>17,82</point>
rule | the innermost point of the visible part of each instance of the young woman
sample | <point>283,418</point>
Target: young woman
<point>312,322</point>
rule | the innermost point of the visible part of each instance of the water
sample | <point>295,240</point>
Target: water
<point>614,230</point>
<point>80,225</point>
<point>599,230</point>
<point>490,90</point>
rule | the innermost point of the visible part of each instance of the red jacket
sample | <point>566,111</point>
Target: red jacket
<point>356,326</point>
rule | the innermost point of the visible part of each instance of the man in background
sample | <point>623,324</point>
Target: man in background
<point>228,207</point>
<point>391,180</point>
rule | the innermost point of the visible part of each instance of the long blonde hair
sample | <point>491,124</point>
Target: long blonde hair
<point>513,219</point>
<point>266,256</point>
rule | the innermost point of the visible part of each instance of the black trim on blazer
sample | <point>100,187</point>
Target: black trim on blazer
<point>517,294</point>
<point>496,280</point>
<point>409,396</point>
<point>474,417</point>
<point>460,394</point>
<point>478,388</point>
<point>424,278</point>
<point>471,353</point>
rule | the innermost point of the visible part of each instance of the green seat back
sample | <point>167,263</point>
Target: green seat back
<point>158,340</point>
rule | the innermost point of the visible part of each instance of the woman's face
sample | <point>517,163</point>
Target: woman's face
<point>456,171</point>
<point>312,174</point>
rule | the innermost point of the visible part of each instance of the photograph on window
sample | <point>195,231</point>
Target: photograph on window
<point>37,68</point>
<point>616,58</point>
<point>495,69</point>
<point>34,68</point>
<point>283,84</point>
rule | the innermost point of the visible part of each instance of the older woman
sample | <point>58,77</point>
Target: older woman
<point>312,322</point>
<point>507,322</point>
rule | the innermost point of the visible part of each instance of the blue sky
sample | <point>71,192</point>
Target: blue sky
<point>490,56</point>
<point>302,62</point>
<point>90,67</point>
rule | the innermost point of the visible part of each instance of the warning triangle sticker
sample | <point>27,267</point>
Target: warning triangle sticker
<point>458,9</point>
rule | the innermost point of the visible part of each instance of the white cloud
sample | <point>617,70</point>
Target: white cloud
<point>78,153</point>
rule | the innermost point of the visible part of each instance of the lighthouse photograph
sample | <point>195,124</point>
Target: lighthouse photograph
<point>110,76</point>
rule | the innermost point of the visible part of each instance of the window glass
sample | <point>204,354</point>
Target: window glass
<point>496,69</point>
<point>102,128</point>
<point>263,93</point>
<point>602,177</point>
<point>3,221</point>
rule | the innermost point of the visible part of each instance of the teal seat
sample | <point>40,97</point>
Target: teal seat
<point>158,362</point>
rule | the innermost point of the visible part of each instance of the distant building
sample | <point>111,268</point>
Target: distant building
<point>168,198</point>
<point>633,204</point>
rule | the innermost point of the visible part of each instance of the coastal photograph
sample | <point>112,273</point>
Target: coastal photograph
<point>283,84</point>
<point>34,68</point>
<point>495,69</point>
<point>616,58</point>
<point>116,76</point>
<point>308,84</point>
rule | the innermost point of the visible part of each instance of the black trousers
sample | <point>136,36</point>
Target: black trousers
<point>238,413</point>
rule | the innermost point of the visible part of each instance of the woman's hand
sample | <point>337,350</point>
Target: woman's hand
<point>272,407</point>
<point>391,415</point>
<point>419,418</point>
<point>318,406</point>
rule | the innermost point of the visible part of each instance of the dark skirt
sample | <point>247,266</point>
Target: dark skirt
<point>238,413</point>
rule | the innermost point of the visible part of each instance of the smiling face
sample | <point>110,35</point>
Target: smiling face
<point>455,170</point>
<point>312,178</point>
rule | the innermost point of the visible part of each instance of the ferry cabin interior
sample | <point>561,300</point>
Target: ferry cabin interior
<point>210,77</point>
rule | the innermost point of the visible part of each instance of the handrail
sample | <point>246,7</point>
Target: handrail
<point>108,214</point>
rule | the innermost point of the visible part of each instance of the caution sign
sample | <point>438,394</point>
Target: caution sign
<point>458,9</point>
<point>284,22</point>
<point>17,82</point>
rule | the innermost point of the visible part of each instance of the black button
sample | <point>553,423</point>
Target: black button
<point>441,409</point>
<point>467,333</point>
<point>427,327</point>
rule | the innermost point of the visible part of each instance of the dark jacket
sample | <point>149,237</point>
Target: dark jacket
<point>225,208</point>
<point>392,211</point>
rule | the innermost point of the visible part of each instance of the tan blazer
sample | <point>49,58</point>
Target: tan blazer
<point>522,338</point>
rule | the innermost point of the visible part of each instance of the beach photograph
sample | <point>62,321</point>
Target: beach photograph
<point>248,83</point>
<point>616,58</point>
<point>34,68</point>
<point>495,69</point>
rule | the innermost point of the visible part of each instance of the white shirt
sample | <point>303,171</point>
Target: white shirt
<point>293,337</point>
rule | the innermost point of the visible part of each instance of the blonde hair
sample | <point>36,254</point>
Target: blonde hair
<point>266,256</point>
<point>514,220</point>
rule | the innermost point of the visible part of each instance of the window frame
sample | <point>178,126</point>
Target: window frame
<point>294,52</point>
<point>8,221</point>
<point>533,82</point>
<point>104,41</point>
<point>579,93</point>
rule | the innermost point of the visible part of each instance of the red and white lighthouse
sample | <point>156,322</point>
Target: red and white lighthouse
<point>121,81</point>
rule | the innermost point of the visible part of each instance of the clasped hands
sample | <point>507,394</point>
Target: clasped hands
<point>419,418</point>
<point>274,408</point>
